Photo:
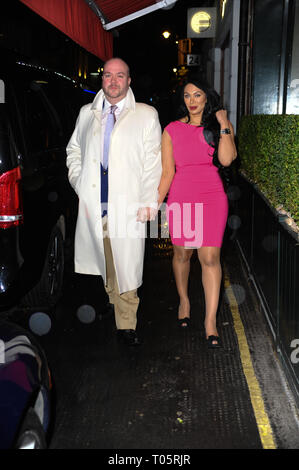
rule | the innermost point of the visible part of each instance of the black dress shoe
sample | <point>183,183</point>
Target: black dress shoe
<point>128,337</point>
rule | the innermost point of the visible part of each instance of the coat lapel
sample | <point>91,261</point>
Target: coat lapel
<point>97,106</point>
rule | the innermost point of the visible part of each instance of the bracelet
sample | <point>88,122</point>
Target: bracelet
<point>225,131</point>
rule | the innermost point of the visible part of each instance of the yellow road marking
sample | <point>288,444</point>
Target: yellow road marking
<point>263,423</point>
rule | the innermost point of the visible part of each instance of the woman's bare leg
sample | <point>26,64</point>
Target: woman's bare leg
<point>181,269</point>
<point>209,258</point>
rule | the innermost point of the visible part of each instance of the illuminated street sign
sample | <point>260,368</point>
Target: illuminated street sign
<point>201,22</point>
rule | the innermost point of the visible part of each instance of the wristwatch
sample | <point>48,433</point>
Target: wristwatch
<point>225,131</point>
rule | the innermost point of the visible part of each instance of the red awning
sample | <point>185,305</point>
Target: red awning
<point>78,21</point>
<point>120,8</point>
<point>121,11</point>
<point>87,22</point>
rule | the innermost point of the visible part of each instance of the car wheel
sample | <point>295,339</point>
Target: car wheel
<point>48,291</point>
<point>31,435</point>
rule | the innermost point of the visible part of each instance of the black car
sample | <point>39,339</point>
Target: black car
<point>38,109</point>
<point>25,390</point>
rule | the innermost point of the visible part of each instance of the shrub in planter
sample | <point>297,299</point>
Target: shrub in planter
<point>269,153</point>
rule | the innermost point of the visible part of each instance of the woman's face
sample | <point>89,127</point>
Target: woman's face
<point>195,99</point>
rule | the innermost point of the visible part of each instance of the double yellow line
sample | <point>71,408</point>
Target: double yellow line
<point>263,423</point>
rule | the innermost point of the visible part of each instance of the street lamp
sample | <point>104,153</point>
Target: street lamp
<point>166,34</point>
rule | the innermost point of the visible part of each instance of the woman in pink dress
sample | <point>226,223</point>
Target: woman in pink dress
<point>193,148</point>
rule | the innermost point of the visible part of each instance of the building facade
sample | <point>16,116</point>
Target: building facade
<point>256,69</point>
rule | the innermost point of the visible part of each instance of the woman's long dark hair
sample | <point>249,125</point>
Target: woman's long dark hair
<point>209,120</point>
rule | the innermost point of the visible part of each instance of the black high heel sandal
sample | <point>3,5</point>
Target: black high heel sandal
<point>184,322</point>
<point>214,342</point>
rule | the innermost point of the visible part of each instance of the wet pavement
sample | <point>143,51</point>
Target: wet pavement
<point>172,392</point>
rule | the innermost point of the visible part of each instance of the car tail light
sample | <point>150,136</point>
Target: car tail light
<point>11,210</point>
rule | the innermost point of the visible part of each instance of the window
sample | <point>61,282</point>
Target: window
<point>293,81</point>
<point>42,126</point>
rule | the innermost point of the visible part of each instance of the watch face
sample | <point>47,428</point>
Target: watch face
<point>200,21</point>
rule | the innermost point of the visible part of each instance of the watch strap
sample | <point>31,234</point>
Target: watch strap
<point>225,131</point>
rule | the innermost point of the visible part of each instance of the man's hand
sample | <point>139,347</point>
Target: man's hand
<point>145,214</point>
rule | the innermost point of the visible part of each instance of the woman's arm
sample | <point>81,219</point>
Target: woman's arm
<point>227,151</point>
<point>168,167</point>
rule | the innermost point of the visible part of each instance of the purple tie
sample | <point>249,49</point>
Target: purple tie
<point>108,129</point>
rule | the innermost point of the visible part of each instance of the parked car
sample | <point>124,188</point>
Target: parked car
<point>25,390</point>
<point>38,109</point>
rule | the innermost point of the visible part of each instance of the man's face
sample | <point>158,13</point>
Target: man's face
<point>116,80</point>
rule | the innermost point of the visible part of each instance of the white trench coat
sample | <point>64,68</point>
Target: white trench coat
<point>134,175</point>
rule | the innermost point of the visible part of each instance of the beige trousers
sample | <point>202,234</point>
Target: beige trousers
<point>126,304</point>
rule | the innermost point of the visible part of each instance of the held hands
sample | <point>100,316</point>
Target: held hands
<point>146,214</point>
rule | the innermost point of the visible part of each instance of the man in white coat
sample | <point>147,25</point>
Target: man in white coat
<point>114,202</point>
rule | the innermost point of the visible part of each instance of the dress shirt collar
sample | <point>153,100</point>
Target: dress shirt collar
<point>119,105</point>
<point>97,104</point>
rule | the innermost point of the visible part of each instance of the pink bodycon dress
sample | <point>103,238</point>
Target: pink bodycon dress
<point>197,205</point>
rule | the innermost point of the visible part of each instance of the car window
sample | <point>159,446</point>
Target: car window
<point>9,152</point>
<point>41,121</point>
<point>68,100</point>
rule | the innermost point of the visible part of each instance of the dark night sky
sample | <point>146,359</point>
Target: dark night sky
<point>141,43</point>
<point>150,56</point>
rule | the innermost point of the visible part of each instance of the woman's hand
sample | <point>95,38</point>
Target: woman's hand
<point>227,151</point>
<point>146,214</point>
<point>222,118</point>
